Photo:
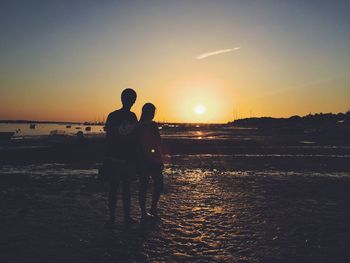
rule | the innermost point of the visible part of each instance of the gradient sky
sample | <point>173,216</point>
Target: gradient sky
<point>69,60</point>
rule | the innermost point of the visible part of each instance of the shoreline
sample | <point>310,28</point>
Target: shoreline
<point>254,153</point>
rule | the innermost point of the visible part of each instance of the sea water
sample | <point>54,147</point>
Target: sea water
<point>24,129</point>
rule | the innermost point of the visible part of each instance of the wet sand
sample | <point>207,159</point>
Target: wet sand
<point>246,151</point>
<point>248,198</point>
<point>56,213</point>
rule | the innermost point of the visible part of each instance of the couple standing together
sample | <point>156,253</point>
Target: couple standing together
<point>133,147</point>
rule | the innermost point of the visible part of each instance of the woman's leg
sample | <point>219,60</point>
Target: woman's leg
<point>144,180</point>
<point>157,190</point>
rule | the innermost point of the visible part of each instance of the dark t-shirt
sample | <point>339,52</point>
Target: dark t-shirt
<point>149,142</point>
<point>121,141</point>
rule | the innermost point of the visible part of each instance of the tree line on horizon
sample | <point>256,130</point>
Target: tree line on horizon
<point>317,119</point>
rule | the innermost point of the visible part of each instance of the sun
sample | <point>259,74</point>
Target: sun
<point>199,109</point>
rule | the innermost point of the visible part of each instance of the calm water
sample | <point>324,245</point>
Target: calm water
<point>23,129</point>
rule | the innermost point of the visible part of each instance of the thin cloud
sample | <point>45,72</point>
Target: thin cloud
<point>216,52</point>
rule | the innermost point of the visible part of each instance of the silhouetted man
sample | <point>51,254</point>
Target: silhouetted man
<point>121,149</point>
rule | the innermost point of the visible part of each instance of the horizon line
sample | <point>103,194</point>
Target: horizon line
<point>171,122</point>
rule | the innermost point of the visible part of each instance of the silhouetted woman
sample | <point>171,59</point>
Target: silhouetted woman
<point>150,160</point>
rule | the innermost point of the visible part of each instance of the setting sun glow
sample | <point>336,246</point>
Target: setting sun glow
<point>200,109</point>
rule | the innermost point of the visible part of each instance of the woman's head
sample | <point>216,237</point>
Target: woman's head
<point>148,112</point>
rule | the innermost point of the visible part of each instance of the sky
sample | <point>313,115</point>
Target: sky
<point>197,61</point>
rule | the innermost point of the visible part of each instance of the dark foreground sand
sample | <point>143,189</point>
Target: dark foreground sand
<point>56,213</point>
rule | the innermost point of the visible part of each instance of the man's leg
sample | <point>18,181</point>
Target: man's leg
<point>112,199</point>
<point>126,200</point>
<point>144,180</point>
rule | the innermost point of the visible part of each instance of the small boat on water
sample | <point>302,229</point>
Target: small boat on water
<point>32,125</point>
<point>5,136</point>
<point>69,126</point>
<point>88,128</point>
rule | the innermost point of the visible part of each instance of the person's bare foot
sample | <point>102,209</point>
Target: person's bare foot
<point>155,215</point>
<point>145,217</point>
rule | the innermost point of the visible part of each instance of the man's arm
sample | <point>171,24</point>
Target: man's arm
<point>108,127</point>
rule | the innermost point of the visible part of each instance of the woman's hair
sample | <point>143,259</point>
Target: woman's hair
<point>148,111</point>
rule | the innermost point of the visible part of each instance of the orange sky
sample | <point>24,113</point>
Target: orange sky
<point>233,58</point>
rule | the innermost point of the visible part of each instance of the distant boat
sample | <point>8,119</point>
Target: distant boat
<point>68,126</point>
<point>5,136</point>
<point>88,128</point>
<point>78,128</point>
<point>32,125</point>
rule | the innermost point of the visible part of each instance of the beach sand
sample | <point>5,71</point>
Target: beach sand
<point>56,213</point>
<point>230,196</point>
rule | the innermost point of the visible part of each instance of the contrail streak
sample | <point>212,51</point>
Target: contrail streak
<point>216,52</point>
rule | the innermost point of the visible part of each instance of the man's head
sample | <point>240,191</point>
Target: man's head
<point>128,98</point>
